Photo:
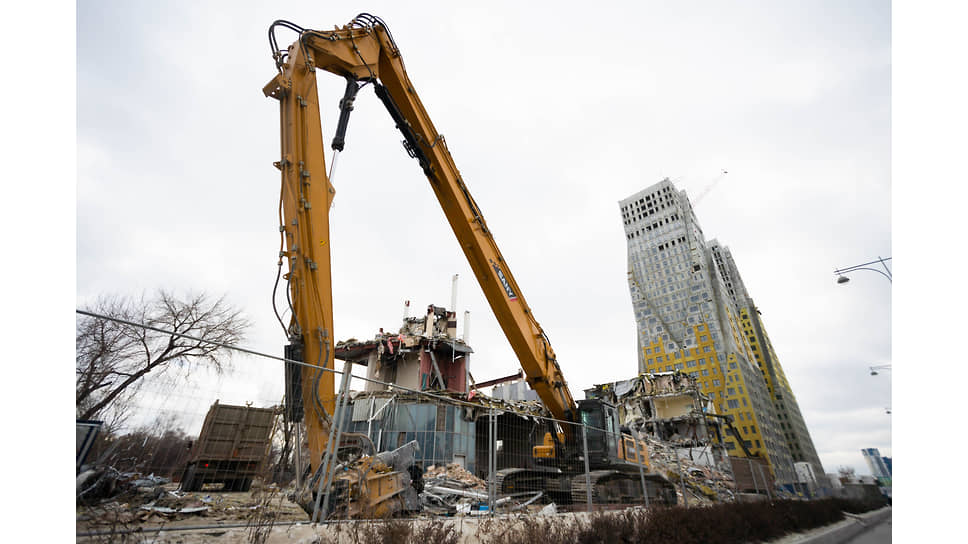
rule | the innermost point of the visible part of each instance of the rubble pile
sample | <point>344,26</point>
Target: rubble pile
<point>136,500</point>
<point>453,475</point>
<point>103,482</point>
<point>476,400</point>
<point>450,489</point>
<point>705,483</point>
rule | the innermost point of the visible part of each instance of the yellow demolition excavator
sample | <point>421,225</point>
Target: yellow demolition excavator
<point>365,54</point>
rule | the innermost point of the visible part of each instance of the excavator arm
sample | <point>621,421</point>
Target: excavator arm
<point>364,53</point>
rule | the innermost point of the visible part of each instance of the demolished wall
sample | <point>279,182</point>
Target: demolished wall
<point>425,354</point>
<point>667,406</point>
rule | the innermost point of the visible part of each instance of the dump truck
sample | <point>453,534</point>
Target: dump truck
<point>231,448</point>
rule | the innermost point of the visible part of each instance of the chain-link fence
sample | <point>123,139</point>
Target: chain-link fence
<point>188,445</point>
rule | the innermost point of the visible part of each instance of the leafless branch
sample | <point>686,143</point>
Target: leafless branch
<point>112,358</point>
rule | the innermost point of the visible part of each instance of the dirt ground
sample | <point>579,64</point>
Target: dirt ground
<point>468,530</point>
<point>168,508</point>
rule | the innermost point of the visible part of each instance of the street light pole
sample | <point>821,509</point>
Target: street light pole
<point>841,278</point>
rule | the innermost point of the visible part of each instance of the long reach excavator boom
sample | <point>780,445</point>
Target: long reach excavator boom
<point>364,53</point>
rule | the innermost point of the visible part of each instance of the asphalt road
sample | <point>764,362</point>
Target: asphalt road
<point>879,534</point>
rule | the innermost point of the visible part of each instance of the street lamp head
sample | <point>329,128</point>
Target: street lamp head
<point>874,369</point>
<point>843,279</point>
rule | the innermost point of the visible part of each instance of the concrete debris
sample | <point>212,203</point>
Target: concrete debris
<point>706,480</point>
<point>104,482</point>
<point>130,508</point>
<point>172,511</point>
<point>453,474</point>
<point>150,481</point>
<point>450,490</point>
<point>666,405</point>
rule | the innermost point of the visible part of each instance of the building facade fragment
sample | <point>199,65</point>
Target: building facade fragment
<point>666,406</point>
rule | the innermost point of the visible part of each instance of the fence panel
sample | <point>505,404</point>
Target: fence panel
<point>188,444</point>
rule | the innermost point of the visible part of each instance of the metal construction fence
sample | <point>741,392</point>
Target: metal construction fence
<point>191,445</point>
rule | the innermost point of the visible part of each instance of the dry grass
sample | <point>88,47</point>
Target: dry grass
<point>731,523</point>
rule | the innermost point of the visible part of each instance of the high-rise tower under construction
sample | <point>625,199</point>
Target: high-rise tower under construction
<point>693,314</point>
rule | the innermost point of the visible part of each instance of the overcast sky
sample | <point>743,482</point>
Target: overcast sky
<point>553,114</point>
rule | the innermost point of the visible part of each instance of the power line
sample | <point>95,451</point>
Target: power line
<point>450,400</point>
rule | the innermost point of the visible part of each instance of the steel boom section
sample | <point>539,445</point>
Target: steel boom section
<point>306,197</point>
<point>370,54</point>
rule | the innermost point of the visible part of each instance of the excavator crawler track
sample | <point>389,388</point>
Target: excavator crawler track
<point>618,487</point>
<point>552,482</point>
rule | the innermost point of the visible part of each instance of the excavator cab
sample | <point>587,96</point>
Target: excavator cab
<point>601,423</point>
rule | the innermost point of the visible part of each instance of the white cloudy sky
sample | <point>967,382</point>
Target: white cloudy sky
<point>553,112</point>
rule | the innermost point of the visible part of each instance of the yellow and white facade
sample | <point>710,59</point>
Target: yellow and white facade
<point>683,291</point>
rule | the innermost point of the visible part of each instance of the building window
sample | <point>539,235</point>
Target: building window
<point>690,363</point>
<point>715,383</point>
<point>678,366</point>
<point>705,348</point>
<point>648,351</point>
<point>732,404</point>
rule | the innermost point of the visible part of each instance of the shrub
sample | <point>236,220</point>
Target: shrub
<point>725,523</point>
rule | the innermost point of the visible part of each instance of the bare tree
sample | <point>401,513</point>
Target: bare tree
<point>114,357</point>
<point>847,474</point>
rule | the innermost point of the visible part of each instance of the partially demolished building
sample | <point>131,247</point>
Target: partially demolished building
<point>424,355</point>
<point>669,407</point>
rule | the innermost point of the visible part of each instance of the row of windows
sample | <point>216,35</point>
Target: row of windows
<point>662,195</point>
<point>734,404</point>
<point>677,355</point>
<point>663,225</point>
<point>679,366</point>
